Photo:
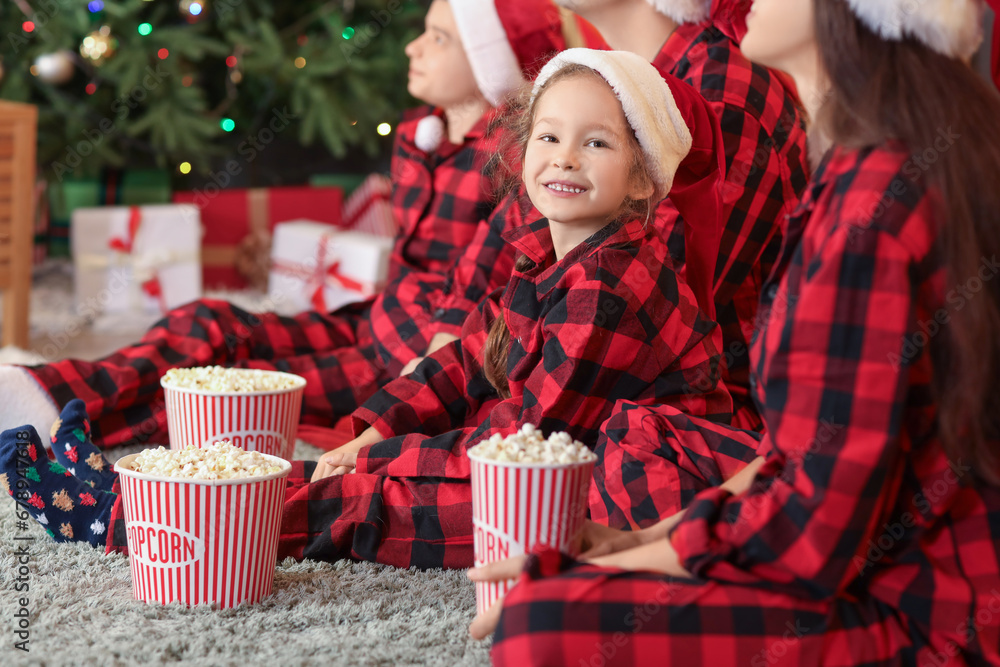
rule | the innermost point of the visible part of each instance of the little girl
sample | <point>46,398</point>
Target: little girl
<point>594,313</point>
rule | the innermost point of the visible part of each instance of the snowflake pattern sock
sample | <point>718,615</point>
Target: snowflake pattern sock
<point>68,509</point>
<point>74,450</point>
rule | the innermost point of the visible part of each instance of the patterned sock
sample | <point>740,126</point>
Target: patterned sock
<point>68,509</point>
<point>73,449</point>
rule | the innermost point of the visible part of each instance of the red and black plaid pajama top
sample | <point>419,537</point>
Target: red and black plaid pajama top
<point>439,200</point>
<point>610,321</point>
<point>859,542</point>
<point>766,171</point>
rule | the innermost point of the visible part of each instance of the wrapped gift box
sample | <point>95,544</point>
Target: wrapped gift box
<point>369,208</point>
<point>238,224</point>
<point>133,187</point>
<point>314,267</point>
<point>142,258</point>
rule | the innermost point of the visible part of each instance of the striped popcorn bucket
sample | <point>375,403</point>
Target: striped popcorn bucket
<point>199,541</point>
<point>517,506</point>
<point>261,421</point>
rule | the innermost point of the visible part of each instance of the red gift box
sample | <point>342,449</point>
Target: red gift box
<point>235,248</point>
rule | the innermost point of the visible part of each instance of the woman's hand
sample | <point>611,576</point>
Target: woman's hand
<point>484,624</point>
<point>596,540</point>
<point>411,366</point>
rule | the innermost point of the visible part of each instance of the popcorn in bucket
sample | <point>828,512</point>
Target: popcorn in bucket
<point>202,524</point>
<point>526,491</point>
<point>256,410</point>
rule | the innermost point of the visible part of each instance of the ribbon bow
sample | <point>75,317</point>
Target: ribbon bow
<point>319,276</point>
<point>126,245</point>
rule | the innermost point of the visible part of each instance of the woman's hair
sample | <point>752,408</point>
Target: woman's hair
<point>883,90</point>
<point>507,164</point>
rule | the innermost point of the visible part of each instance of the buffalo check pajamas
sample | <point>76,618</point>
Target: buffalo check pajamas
<point>766,171</point>
<point>859,542</point>
<point>439,200</point>
<point>610,321</point>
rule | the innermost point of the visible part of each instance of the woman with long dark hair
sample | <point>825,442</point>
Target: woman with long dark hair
<point>869,530</point>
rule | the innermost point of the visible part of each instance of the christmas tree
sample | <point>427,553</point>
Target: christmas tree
<point>176,83</point>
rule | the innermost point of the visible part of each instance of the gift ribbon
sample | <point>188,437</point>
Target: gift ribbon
<point>317,279</point>
<point>144,265</point>
<point>253,252</point>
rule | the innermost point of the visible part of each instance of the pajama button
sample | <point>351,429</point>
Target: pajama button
<point>439,313</point>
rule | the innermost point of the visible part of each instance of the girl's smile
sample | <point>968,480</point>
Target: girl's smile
<point>578,160</point>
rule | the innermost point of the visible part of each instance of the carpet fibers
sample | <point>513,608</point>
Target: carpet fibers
<point>80,609</point>
<point>81,612</point>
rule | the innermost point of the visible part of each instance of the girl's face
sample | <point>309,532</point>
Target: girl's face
<point>440,73</point>
<point>578,157</point>
<point>781,34</point>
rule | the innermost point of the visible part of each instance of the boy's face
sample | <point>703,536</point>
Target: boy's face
<point>440,73</point>
<point>578,159</point>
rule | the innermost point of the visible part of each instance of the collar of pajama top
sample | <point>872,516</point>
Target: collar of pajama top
<point>438,198</point>
<point>535,241</point>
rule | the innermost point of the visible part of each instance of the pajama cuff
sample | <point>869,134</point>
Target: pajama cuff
<point>363,418</point>
<point>696,538</point>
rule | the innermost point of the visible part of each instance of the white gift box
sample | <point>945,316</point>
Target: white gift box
<point>138,258</point>
<point>314,267</point>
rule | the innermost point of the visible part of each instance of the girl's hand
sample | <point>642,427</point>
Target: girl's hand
<point>337,462</point>
<point>484,624</point>
<point>343,459</point>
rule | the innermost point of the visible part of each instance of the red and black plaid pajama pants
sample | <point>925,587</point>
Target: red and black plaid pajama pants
<point>653,460</point>
<point>567,613</point>
<point>421,522</point>
<point>334,352</point>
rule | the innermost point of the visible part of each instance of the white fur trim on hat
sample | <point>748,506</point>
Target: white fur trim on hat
<point>493,61</point>
<point>648,104</point>
<point>684,11</point>
<point>950,27</point>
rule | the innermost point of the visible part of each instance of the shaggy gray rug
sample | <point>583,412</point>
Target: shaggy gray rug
<point>80,611</point>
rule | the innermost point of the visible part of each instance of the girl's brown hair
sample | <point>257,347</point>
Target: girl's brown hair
<point>882,90</point>
<point>506,166</point>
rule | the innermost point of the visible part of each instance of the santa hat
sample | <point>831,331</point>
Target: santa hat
<point>507,41</point>
<point>950,27</point>
<point>729,16</point>
<point>648,104</point>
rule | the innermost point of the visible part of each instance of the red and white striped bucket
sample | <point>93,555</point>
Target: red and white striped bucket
<point>200,541</point>
<point>518,506</point>
<point>261,421</point>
